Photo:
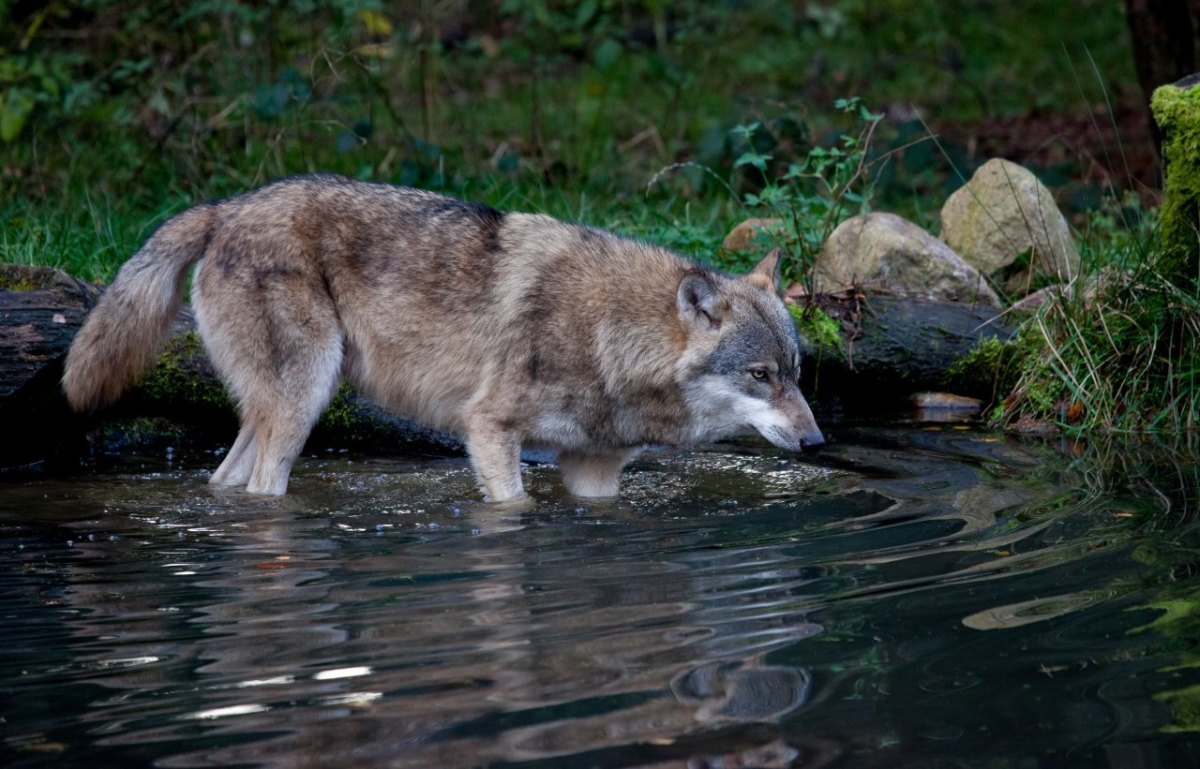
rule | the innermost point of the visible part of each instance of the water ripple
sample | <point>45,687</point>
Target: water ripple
<point>909,598</point>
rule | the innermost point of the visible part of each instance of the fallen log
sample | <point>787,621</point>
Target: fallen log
<point>894,346</point>
<point>891,347</point>
<point>41,309</point>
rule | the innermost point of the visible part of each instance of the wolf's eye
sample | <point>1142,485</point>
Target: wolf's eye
<point>759,374</point>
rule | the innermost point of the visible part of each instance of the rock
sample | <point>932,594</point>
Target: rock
<point>795,293</point>
<point>903,345</point>
<point>945,401</point>
<point>1005,212</point>
<point>883,252</point>
<point>743,236</point>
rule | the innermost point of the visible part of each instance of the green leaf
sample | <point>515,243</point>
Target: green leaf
<point>746,131</point>
<point>607,53</point>
<point>752,159</point>
<point>868,116</point>
<point>15,107</point>
<point>585,13</point>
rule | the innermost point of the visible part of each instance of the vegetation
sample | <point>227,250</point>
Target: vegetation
<point>671,120</point>
<point>114,115</point>
<point>1177,110</point>
<point>1121,351</point>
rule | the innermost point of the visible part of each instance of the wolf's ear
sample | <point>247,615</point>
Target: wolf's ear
<point>699,303</point>
<point>765,274</point>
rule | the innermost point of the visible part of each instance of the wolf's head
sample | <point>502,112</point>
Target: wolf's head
<point>741,366</point>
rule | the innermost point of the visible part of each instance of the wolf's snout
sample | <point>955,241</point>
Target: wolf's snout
<point>808,435</point>
<point>812,440</point>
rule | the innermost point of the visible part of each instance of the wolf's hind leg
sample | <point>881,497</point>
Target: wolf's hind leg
<point>303,391</point>
<point>273,334</point>
<point>239,462</point>
<point>593,475</point>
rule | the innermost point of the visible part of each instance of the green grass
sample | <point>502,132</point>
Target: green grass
<point>571,109</point>
<point>1121,352</point>
<point>623,115</point>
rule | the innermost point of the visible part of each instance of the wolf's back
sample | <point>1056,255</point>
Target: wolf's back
<point>123,335</point>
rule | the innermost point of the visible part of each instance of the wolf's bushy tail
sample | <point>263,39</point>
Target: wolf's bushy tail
<point>122,336</point>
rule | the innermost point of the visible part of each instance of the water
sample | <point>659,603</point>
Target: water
<point>908,598</point>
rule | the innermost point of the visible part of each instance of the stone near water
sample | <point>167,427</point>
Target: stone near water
<point>41,308</point>
<point>884,252</point>
<point>1005,222</point>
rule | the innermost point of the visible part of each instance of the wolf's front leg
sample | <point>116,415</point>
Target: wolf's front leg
<point>495,455</point>
<point>594,475</point>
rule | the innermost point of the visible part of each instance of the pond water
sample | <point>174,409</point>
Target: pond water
<point>907,598</point>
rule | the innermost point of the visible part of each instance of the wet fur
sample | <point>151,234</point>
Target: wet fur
<point>508,329</point>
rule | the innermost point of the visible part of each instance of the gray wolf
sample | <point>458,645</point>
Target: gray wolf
<point>505,328</point>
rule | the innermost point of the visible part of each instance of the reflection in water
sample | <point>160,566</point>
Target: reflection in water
<point>733,691</point>
<point>915,598</point>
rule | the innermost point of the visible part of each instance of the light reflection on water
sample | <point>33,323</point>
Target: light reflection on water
<point>906,599</point>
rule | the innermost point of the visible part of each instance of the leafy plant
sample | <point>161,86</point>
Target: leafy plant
<point>813,195</point>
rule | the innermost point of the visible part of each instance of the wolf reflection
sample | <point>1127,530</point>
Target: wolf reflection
<point>446,650</point>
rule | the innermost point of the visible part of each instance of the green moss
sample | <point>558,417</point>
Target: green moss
<point>1177,111</point>
<point>342,416</point>
<point>174,379</point>
<point>990,369</point>
<point>21,277</point>
<point>142,433</point>
<point>820,330</point>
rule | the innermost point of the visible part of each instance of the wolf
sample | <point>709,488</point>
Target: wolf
<point>508,329</point>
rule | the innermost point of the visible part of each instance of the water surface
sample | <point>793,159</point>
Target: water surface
<point>909,598</point>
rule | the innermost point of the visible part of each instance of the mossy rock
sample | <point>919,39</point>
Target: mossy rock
<point>821,332</point>
<point>1177,110</point>
<point>351,420</point>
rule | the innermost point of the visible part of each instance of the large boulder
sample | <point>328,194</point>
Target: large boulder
<point>883,252</point>
<point>1005,222</point>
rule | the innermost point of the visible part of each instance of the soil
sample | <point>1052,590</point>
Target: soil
<point>1109,149</point>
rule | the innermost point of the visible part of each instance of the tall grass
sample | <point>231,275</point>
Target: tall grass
<point>565,108</point>
<point>1119,350</point>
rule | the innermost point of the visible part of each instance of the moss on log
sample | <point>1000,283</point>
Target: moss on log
<point>896,346</point>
